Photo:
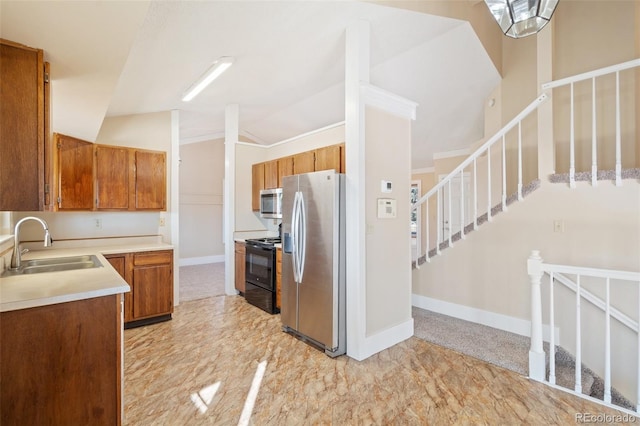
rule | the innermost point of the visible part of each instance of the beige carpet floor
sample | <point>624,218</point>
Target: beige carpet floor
<point>201,281</point>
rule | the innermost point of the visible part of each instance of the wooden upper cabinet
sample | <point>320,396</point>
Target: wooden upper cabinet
<point>328,158</point>
<point>343,161</point>
<point>257,184</point>
<point>75,173</point>
<point>112,177</point>
<point>23,127</point>
<point>271,174</point>
<point>285,168</point>
<point>304,162</point>
<point>150,180</point>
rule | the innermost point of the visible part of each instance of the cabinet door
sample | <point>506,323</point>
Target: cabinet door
<point>240,267</point>
<point>112,177</point>
<point>122,264</point>
<point>150,180</point>
<point>285,168</point>
<point>153,290</point>
<point>61,363</point>
<point>328,158</point>
<point>304,162</point>
<point>22,128</point>
<point>257,184</point>
<point>271,174</point>
<point>75,173</point>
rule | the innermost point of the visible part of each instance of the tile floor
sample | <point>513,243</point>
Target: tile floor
<point>198,369</point>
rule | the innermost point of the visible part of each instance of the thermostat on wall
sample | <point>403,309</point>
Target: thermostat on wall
<point>386,208</point>
<point>385,186</point>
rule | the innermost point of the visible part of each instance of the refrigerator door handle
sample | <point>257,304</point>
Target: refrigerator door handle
<point>302,237</point>
<point>294,237</point>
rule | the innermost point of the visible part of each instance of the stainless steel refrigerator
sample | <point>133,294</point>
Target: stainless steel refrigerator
<point>313,259</point>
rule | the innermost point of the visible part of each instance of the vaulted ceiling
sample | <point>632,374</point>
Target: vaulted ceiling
<point>133,57</point>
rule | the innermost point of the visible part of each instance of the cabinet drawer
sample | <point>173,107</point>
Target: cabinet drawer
<point>152,258</point>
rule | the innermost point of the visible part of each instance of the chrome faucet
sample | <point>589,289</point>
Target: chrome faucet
<point>15,259</point>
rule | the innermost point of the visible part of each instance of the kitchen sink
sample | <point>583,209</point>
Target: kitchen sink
<point>55,264</point>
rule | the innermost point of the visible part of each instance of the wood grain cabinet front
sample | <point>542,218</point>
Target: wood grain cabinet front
<point>24,127</point>
<point>150,276</point>
<point>62,363</point>
<point>112,177</point>
<point>240,252</point>
<point>75,173</point>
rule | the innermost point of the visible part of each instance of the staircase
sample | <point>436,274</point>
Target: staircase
<point>494,177</point>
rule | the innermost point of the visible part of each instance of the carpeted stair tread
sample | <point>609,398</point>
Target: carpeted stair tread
<point>592,384</point>
<point>600,175</point>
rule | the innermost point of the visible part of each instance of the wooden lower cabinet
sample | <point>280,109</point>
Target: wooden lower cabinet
<point>150,276</point>
<point>278,276</point>
<point>62,363</point>
<point>240,267</point>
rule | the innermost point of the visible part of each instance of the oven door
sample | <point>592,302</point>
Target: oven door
<point>260,266</point>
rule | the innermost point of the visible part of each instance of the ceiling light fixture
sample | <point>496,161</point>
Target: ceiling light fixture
<point>520,18</point>
<point>211,74</point>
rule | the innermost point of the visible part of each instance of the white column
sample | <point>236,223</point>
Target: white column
<point>231,129</point>
<point>175,201</point>
<point>356,71</point>
<point>536,353</point>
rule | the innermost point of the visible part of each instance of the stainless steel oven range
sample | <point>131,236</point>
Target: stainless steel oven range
<point>260,274</point>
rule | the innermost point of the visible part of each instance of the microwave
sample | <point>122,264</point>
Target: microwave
<point>271,203</point>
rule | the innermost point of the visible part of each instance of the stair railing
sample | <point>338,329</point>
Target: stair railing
<point>571,82</point>
<point>436,196</point>
<point>537,362</point>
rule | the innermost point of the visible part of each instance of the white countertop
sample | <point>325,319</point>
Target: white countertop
<point>28,291</point>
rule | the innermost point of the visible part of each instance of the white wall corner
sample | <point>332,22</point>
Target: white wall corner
<point>231,127</point>
<point>385,339</point>
<point>174,200</point>
<point>390,102</point>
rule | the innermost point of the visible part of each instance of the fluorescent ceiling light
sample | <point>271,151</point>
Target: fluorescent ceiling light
<point>212,73</point>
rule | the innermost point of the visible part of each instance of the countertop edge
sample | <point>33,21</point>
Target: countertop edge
<point>77,286</point>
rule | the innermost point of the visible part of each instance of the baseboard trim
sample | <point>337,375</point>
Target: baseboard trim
<point>371,345</point>
<point>479,316</point>
<point>190,261</point>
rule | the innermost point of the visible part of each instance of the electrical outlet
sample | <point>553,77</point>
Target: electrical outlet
<point>98,223</point>
<point>161,221</point>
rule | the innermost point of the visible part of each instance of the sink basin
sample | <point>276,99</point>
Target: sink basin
<point>55,264</point>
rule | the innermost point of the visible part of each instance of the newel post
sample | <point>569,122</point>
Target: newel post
<point>537,363</point>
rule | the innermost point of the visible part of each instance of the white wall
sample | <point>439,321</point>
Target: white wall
<point>201,176</point>
<point>388,241</point>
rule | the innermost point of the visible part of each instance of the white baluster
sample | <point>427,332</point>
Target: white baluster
<point>462,236</point>
<point>607,348</point>
<point>504,175</point>
<point>572,147</point>
<point>450,224</point>
<point>618,134</point>
<point>578,386</point>
<point>552,333</point>
<point>427,252</point>
<point>475,195</point>
<point>594,143</point>
<point>438,220</point>
<point>489,218</point>
<point>520,161</point>
<point>536,352</point>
